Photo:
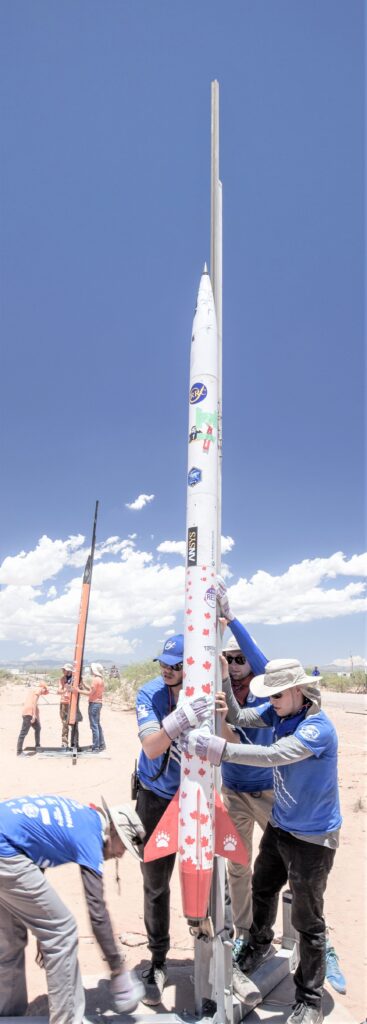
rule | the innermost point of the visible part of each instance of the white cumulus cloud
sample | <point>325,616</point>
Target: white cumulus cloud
<point>139,502</point>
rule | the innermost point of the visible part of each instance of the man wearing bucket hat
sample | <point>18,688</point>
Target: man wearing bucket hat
<point>38,832</point>
<point>160,722</point>
<point>301,838</point>
<point>247,792</point>
<point>257,660</point>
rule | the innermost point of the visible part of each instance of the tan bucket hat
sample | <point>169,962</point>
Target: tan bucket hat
<point>128,827</point>
<point>280,674</point>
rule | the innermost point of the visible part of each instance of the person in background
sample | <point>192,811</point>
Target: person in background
<point>64,693</point>
<point>159,725</point>
<point>31,717</point>
<point>334,973</point>
<point>41,832</point>
<point>95,699</point>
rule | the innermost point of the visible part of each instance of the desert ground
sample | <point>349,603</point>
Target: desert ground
<point>109,774</point>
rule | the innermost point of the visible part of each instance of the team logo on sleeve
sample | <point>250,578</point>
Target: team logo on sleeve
<point>142,711</point>
<point>309,732</point>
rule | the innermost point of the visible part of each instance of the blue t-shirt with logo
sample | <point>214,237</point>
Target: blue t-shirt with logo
<point>245,778</point>
<point>306,799</point>
<point>154,701</point>
<point>51,830</point>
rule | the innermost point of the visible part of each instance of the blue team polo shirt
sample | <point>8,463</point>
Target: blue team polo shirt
<point>51,830</point>
<point>246,778</point>
<point>154,701</point>
<point>306,799</point>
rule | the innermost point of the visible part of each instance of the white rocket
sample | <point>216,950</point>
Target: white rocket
<point>196,824</point>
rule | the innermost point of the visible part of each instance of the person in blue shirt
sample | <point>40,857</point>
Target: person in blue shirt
<point>160,723</point>
<point>39,832</point>
<point>247,792</point>
<point>301,838</point>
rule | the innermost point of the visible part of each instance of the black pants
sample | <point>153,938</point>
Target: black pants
<point>156,878</point>
<point>305,866</point>
<point>27,724</point>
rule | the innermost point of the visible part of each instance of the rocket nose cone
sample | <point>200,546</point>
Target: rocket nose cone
<point>205,271</point>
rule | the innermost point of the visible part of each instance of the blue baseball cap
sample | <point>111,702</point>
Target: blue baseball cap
<point>172,651</point>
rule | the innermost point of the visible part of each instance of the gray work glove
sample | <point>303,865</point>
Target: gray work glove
<point>222,598</point>
<point>188,715</point>
<point>204,745</point>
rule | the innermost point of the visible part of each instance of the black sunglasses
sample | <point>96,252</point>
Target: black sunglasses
<point>276,696</point>
<point>238,658</point>
<point>175,668</point>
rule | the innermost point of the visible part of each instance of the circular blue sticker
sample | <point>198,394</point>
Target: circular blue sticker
<point>197,393</point>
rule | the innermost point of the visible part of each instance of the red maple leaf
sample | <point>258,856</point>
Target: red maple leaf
<point>190,660</point>
<point>202,771</point>
<point>188,611</point>
<point>194,815</point>
<point>207,615</point>
<point>209,856</point>
<point>183,796</point>
<point>182,822</point>
<point>203,579</point>
<point>182,850</point>
<point>207,665</point>
<point>205,632</point>
<point>204,818</point>
<point>204,841</point>
<point>206,687</point>
<point>191,628</point>
<point>203,567</point>
<point>186,771</point>
<point>189,840</point>
<point>189,690</point>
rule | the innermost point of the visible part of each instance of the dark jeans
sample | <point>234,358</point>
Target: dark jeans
<point>27,725</point>
<point>156,878</point>
<point>94,712</point>
<point>305,866</point>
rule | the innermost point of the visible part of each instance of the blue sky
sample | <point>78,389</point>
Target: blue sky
<point>105,224</point>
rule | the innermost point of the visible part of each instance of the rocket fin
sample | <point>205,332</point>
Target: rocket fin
<point>228,842</point>
<point>164,839</point>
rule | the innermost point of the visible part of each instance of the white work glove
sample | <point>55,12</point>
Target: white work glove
<point>127,991</point>
<point>188,715</point>
<point>204,745</point>
<point>222,598</point>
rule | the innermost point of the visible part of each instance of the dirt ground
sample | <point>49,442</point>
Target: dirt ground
<point>109,774</point>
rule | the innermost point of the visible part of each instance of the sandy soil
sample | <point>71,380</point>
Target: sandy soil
<point>110,774</point>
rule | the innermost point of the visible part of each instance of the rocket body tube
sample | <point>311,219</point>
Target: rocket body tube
<point>196,824</point>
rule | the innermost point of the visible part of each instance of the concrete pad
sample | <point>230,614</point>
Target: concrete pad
<point>274,1009</point>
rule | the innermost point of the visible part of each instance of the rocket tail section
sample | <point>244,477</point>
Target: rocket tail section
<point>164,839</point>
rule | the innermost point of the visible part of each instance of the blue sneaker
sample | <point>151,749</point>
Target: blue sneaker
<point>334,975</point>
<point>239,948</point>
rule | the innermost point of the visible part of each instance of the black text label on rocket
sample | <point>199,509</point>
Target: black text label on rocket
<point>192,545</point>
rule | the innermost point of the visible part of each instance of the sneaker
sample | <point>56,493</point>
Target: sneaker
<point>239,948</point>
<point>127,993</point>
<point>334,975</point>
<point>254,956</point>
<point>303,1014</point>
<point>242,985</point>
<point>154,980</point>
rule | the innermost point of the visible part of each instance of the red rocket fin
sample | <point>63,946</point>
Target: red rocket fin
<point>164,839</point>
<point>228,842</point>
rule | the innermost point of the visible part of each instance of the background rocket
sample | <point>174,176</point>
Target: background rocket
<point>195,823</point>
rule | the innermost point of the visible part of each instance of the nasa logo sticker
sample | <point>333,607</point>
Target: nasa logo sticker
<point>192,545</point>
<point>194,476</point>
<point>197,393</point>
<point>210,597</point>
